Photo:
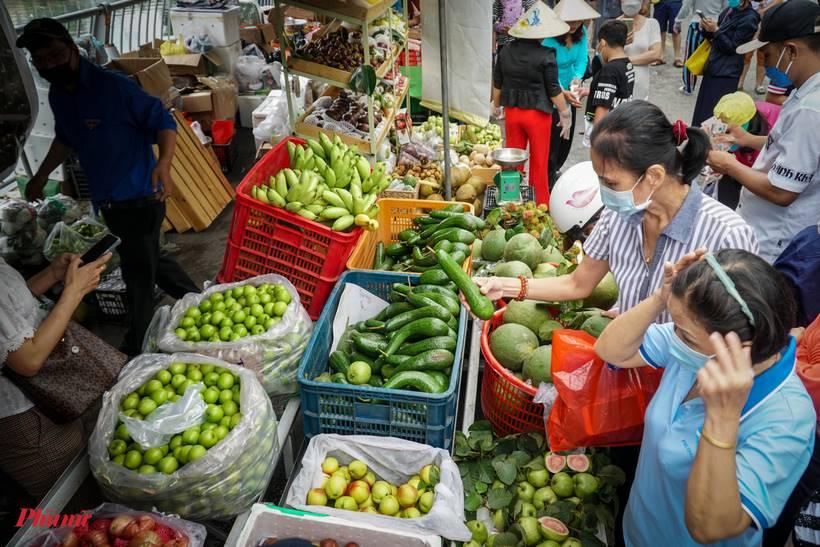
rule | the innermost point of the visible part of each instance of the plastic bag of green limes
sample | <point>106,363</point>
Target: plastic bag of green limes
<point>214,469</point>
<point>258,323</point>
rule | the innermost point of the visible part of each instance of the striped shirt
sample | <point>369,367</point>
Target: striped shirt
<point>700,222</point>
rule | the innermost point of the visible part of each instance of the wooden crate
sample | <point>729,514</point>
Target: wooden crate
<point>201,191</point>
<point>346,8</point>
<point>484,173</point>
<point>362,145</point>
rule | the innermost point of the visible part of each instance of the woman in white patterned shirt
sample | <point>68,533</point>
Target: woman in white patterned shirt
<point>33,449</point>
<point>653,214</point>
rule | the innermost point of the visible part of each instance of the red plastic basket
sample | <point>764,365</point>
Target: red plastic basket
<point>265,239</point>
<point>413,54</point>
<point>506,401</point>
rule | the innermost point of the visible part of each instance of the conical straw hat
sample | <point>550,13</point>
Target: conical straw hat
<point>539,22</point>
<point>575,10</point>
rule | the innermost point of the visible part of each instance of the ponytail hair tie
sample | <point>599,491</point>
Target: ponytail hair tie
<point>679,130</point>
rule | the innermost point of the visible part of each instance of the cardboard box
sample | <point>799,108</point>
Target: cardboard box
<point>223,96</point>
<point>193,63</point>
<point>221,26</point>
<point>151,74</point>
<point>198,101</point>
<point>262,35</point>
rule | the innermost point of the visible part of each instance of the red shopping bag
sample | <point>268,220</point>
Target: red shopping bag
<point>598,404</point>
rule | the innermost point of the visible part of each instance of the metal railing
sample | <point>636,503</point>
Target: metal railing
<point>125,24</point>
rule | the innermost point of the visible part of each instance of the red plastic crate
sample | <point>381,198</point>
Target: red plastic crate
<point>506,401</point>
<point>413,54</point>
<point>265,239</point>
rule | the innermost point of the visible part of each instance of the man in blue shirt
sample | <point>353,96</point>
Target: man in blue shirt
<point>112,124</point>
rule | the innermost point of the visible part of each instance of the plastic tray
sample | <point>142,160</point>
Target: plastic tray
<point>265,239</point>
<point>356,410</point>
<point>506,401</point>
<point>491,197</point>
<point>396,215</point>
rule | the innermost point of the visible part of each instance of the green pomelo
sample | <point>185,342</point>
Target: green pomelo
<point>551,254</point>
<point>513,269</point>
<point>546,329</point>
<point>530,313</point>
<point>595,325</point>
<point>604,295</point>
<point>477,244</point>
<point>538,366</point>
<point>492,246</point>
<point>525,248</point>
<point>511,344</point>
<point>552,528</point>
<point>544,270</point>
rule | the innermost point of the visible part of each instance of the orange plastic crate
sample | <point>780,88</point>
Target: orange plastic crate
<point>396,215</point>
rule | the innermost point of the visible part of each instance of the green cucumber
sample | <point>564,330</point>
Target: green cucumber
<point>387,371</point>
<point>421,300</point>
<point>446,290</point>
<point>441,378</point>
<point>420,381</point>
<point>435,359</point>
<point>393,309</point>
<point>339,361</point>
<point>401,288</point>
<point>387,263</point>
<point>378,256</point>
<point>445,245</point>
<point>397,322</point>
<point>425,221</point>
<point>458,246</point>
<point>374,325</point>
<point>447,213</point>
<point>451,302</point>
<point>452,323</point>
<point>420,328</point>
<point>423,259</point>
<point>466,221</point>
<point>397,250</point>
<point>438,342</point>
<point>369,343</point>
<point>451,234</point>
<point>434,277</point>
<point>459,257</point>
<point>480,305</point>
<point>339,378</point>
<point>407,235</point>
<point>375,381</point>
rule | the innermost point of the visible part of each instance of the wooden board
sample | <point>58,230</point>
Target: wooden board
<point>201,191</point>
<point>344,8</point>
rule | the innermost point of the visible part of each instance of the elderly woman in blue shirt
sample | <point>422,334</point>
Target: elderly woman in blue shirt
<point>731,428</point>
<point>572,56</point>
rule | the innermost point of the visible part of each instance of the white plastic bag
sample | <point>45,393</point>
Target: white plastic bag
<point>275,126</point>
<point>273,355</point>
<point>193,531</point>
<point>150,344</point>
<point>224,482</point>
<point>546,395</point>
<point>169,419</point>
<point>248,72</point>
<point>394,460</point>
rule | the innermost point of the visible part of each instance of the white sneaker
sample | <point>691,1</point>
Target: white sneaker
<point>682,89</point>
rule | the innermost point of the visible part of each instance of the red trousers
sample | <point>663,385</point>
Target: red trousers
<point>533,126</point>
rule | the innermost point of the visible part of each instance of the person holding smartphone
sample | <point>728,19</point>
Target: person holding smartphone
<point>33,449</point>
<point>694,11</point>
<point>112,124</point>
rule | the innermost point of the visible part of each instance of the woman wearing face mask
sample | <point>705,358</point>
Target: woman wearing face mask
<point>571,54</point>
<point>653,213</point>
<point>731,427</point>
<point>736,25</point>
<point>644,45</point>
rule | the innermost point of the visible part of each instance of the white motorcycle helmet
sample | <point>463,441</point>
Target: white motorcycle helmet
<point>575,200</point>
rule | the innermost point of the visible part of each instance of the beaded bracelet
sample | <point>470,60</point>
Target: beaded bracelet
<point>522,294</point>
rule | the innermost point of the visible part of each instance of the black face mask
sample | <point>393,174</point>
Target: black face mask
<point>61,75</point>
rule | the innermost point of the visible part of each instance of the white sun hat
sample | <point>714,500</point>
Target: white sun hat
<point>539,22</point>
<point>575,10</point>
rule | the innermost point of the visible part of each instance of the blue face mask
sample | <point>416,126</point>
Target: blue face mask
<point>688,358</point>
<point>734,4</point>
<point>623,202</point>
<point>777,77</point>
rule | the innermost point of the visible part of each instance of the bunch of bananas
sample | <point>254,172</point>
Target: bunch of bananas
<point>327,182</point>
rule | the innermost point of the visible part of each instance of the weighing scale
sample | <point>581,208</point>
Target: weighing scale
<point>509,181</point>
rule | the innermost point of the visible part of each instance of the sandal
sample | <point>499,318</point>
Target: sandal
<point>658,63</point>
<point>678,63</point>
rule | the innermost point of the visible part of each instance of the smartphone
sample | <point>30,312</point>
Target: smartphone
<point>699,13</point>
<point>108,243</point>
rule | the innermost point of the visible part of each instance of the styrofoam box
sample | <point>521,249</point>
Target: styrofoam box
<point>268,520</point>
<point>247,105</point>
<point>221,25</point>
<point>228,56</point>
<point>261,112</point>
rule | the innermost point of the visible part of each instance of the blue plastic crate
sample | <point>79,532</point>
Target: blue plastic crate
<point>363,410</point>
